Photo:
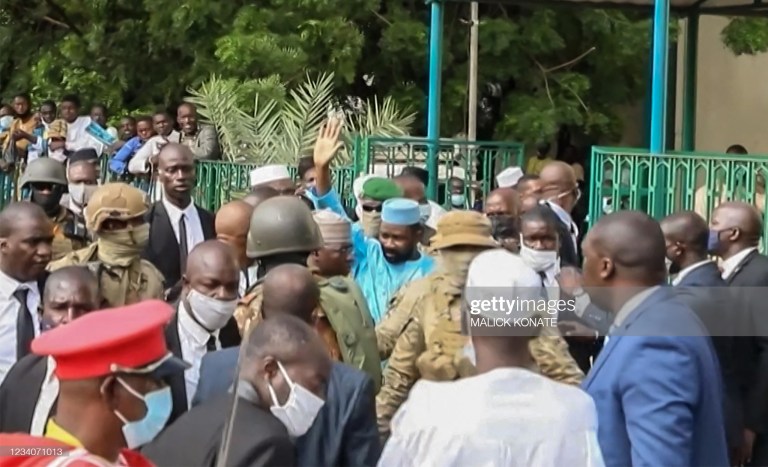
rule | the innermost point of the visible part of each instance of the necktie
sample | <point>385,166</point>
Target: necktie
<point>210,346</point>
<point>25,326</point>
<point>183,250</point>
<point>543,277</point>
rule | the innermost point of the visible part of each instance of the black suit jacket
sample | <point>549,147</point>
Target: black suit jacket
<point>229,336</point>
<point>163,248</point>
<point>258,438</point>
<point>19,393</point>
<point>344,433</point>
<point>569,255</point>
<point>707,294</point>
<point>749,280</point>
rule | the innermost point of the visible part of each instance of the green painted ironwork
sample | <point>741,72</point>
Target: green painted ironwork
<point>477,163</point>
<point>674,181</point>
<point>217,183</point>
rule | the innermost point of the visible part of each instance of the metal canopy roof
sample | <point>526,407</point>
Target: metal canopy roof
<point>725,7</point>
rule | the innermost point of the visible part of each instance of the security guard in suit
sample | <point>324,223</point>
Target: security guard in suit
<point>284,231</point>
<point>45,181</point>
<point>115,213</point>
<point>422,331</point>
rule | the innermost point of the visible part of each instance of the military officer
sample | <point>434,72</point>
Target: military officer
<point>112,367</point>
<point>421,333</point>
<point>283,231</point>
<point>45,181</point>
<point>116,214</point>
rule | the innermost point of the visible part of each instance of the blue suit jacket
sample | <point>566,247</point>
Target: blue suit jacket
<point>344,432</point>
<point>657,389</point>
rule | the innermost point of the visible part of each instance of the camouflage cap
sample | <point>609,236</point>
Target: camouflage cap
<point>117,201</point>
<point>57,129</point>
<point>463,228</point>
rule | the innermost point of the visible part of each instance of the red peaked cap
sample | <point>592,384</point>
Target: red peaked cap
<point>110,341</point>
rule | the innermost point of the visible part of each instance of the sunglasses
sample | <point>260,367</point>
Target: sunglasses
<point>368,208</point>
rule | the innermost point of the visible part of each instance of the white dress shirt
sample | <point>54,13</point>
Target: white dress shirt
<point>49,392</point>
<point>730,264</point>
<point>192,221</point>
<point>248,277</point>
<point>9,310</point>
<point>508,416</point>
<point>688,270</point>
<point>193,339</point>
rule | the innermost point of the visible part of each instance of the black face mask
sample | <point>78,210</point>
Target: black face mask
<point>504,226</point>
<point>49,202</point>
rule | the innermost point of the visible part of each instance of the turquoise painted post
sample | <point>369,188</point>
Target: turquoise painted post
<point>659,90</point>
<point>689,86</point>
<point>435,87</point>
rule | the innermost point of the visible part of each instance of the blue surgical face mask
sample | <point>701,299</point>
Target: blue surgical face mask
<point>714,242</point>
<point>140,432</point>
<point>458,200</point>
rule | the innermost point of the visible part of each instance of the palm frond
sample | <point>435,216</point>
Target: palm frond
<point>280,128</point>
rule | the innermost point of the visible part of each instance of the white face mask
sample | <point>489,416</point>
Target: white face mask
<point>299,411</point>
<point>538,260</point>
<point>212,313</point>
<point>425,210</point>
<point>80,193</point>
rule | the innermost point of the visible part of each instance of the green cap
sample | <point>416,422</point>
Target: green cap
<point>381,189</point>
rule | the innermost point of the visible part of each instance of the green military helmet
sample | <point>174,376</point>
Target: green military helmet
<point>117,201</point>
<point>282,224</point>
<point>44,170</point>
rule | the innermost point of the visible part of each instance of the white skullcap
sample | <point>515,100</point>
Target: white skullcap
<point>269,173</point>
<point>501,275</point>
<point>509,177</point>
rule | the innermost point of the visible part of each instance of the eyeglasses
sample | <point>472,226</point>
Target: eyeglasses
<point>369,208</point>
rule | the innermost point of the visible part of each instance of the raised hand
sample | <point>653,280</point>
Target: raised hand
<point>327,144</point>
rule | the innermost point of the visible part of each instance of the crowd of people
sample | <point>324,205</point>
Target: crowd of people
<point>283,330</point>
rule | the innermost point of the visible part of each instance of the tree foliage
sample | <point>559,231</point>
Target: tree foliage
<point>539,68</point>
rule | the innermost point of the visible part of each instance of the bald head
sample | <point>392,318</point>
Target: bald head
<point>558,184</point>
<point>212,270</point>
<point>260,194</point>
<point>413,188</point>
<point>72,277</point>
<point>233,218</point>
<point>688,230</point>
<point>15,214</point>
<point>743,216</point>
<point>735,226</point>
<point>291,289</point>
<point>634,244</point>
<point>502,201</point>
<point>172,151</point>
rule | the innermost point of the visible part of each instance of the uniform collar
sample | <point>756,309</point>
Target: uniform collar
<point>54,431</point>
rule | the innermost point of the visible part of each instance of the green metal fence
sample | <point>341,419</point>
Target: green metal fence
<point>217,183</point>
<point>477,163</point>
<point>675,181</point>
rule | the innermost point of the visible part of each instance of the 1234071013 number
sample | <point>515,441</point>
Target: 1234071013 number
<point>26,451</point>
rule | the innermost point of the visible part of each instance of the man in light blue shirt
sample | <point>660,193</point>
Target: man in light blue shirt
<point>384,263</point>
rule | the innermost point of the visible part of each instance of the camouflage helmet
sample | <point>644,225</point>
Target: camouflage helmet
<point>44,170</point>
<point>282,224</point>
<point>117,201</point>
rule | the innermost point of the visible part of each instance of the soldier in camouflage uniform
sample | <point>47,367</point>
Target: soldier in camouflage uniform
<point>46,180</point>
<point>283,231</point>
<point>422,330</point>
<point>115,213</point>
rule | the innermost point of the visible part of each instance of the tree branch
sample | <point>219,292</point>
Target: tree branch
<point>63,15</point>
<point>571,62</point>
